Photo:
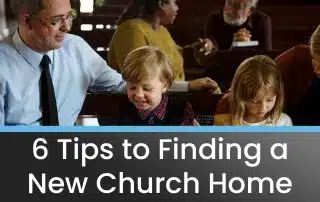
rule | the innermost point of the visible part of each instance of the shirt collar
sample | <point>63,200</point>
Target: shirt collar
<point>159,112</point>
<point>32,57</point>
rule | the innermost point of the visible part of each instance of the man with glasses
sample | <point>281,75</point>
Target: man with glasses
<point>239,21</point>
<point>45,72</point>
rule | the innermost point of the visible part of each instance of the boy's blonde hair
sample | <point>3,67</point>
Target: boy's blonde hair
<point>147,62</point>
<point>253,74</point>
<point>315,42</point>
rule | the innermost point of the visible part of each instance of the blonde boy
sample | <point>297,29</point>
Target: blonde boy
<point>149,74</point>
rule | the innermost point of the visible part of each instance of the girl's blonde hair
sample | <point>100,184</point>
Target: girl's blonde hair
<point>147,62</point>
<point>253,74</point>
<point>315,42</point>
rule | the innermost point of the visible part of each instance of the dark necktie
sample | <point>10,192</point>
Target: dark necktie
<point>47,96</point>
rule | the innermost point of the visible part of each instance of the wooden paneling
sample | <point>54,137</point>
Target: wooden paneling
<point>96,38</point>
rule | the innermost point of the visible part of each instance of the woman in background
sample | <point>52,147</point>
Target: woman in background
<point>142,24</point>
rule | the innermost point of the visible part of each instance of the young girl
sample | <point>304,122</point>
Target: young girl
<point>148,73</point>
<point>256,96</point>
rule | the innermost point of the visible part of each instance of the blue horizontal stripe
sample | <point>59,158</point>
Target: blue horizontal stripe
<point>142,129</point>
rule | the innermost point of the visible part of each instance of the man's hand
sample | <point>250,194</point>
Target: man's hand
<point>205,46</point>
<point>203,84</point>
<point>242,35</point>
<point>202,47</point>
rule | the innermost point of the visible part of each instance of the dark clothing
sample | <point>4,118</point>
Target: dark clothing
<point>297,73</point>
<point>168,112</point>
<point>221,33</point>
<point>301,86</point>
<point>308,110</point>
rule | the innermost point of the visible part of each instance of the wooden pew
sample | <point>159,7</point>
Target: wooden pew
<point>96,38</point>
<point>223,64</point>
<point>116,3</point>
<point>110,9</point>
<point>97,19</point>
<point>106,105</point>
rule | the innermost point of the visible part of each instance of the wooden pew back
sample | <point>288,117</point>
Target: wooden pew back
<point>222,66</point>
<point>106,105</point>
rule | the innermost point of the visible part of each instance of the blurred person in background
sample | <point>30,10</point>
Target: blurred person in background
<point>143,23</point>
<point>300,68</point>
<point>239,21</point>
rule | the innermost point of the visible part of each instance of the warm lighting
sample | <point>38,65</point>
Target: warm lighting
<point>100,49</point>
<point>108,26</point>
<point>86,27</point>
<point>86,6</point>
<point>99,26</point>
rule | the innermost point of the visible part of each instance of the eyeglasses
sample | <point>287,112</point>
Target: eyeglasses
<point>58,20</point>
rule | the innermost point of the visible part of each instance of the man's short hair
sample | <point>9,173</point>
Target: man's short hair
<point>32,6</point>
<point>250,3</point>
<point>254,3</point>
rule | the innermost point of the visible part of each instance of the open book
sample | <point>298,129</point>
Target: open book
<point>245,43</point>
